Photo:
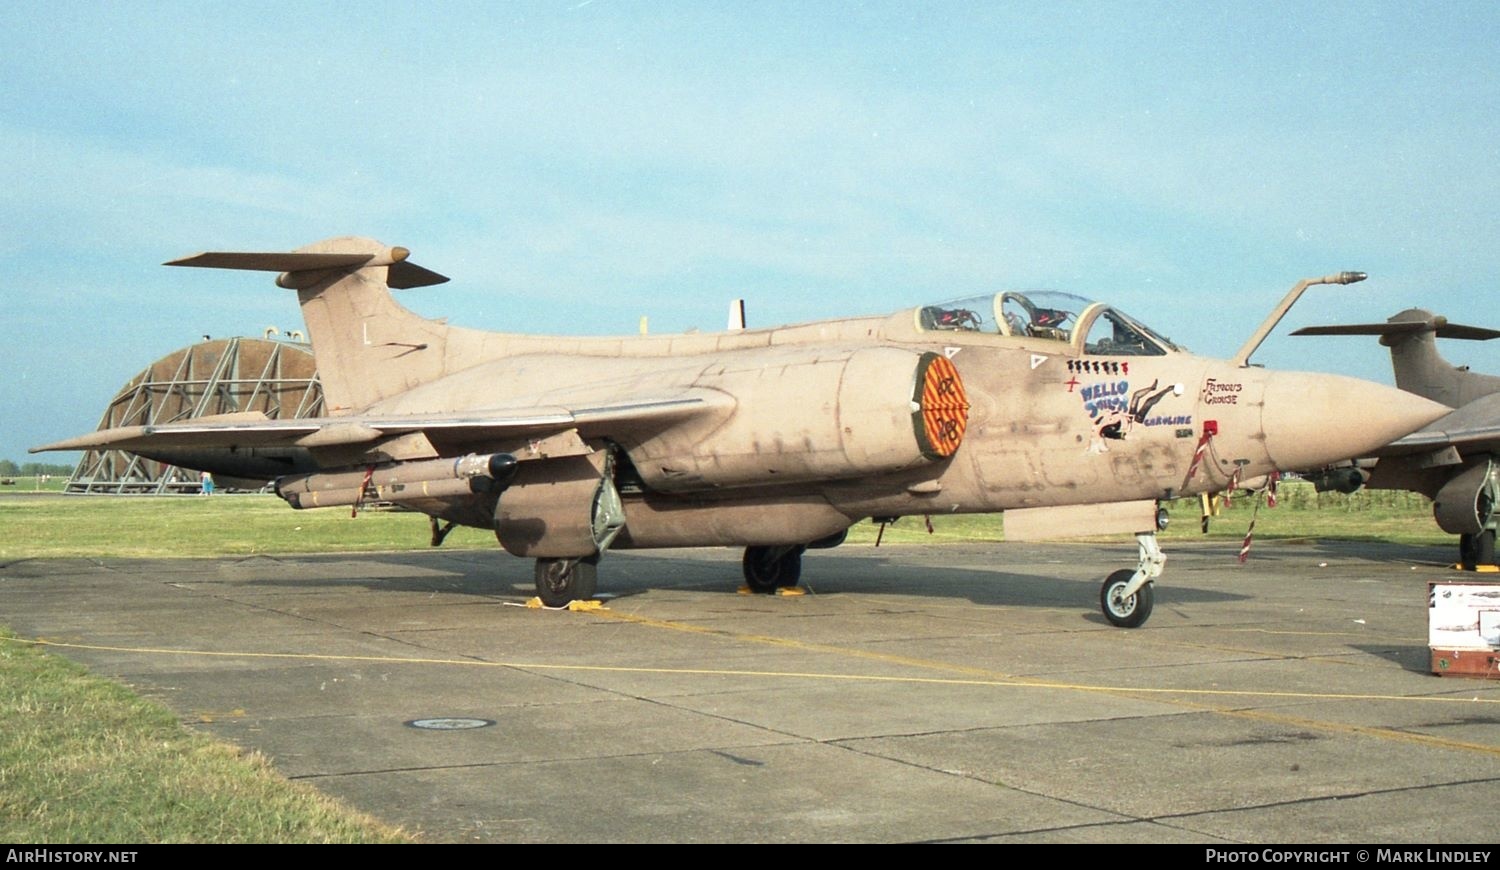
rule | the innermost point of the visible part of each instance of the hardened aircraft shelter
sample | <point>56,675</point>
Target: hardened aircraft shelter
<point>222,376</point>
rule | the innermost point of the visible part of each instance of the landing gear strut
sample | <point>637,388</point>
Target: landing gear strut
<point>559,581</point>
<point>769,568</point>
<point>1465,505</point>
<point>1126,596</point>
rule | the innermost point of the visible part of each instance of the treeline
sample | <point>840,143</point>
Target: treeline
<point>30,469</point>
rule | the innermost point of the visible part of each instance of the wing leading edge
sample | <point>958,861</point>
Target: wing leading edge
<point>247,430</point>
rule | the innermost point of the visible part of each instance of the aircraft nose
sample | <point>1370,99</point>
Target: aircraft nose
<point>1311,419</point>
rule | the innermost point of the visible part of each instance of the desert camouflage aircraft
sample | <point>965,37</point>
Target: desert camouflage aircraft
<point>1066,414</point>
<point>1452,461</point>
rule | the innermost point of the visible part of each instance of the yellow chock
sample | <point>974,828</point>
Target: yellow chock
<point>574,605</point>
<point>790,591</point>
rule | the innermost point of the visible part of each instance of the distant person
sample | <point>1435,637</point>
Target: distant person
<point>206,481</point>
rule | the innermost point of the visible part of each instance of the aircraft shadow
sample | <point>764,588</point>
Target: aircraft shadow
<point>1416,659</point>
<point>486,573</point>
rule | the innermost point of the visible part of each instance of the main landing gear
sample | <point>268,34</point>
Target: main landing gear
<point>559,581</point>
<point>1476,549</point>
<point>1126,597</point>
<point>770,568</point>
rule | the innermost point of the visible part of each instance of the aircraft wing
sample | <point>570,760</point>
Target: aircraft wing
<point>1474,428</point>
<point>257,430</point>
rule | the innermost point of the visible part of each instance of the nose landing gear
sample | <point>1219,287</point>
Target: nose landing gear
<point>1127,596</point>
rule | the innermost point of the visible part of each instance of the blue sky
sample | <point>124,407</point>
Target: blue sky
<point>573,166</point>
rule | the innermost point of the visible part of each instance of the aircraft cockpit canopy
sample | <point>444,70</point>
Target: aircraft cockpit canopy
<point>1048,315</point>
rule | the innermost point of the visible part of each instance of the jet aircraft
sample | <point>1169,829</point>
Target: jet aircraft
<point>1452,461</point>
<point>1067,414</point>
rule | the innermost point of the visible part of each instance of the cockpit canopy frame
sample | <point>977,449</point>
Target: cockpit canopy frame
<point>1048,315</point>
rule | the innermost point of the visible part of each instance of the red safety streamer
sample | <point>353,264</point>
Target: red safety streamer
<point>1234,481</point>
<point>364,485</point>
<point>1268,494</point>
<point>1249,533</point>
<point>1198,455</point>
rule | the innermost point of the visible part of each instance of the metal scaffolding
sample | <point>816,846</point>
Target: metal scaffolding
<point>224,376</point>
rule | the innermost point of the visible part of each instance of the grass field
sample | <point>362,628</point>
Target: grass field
<point>196,526</point>
<point>84,760</point>
<point>187,525</point>
<point>31,483</point>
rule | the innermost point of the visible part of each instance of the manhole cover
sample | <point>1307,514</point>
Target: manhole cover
<point>450,724</point>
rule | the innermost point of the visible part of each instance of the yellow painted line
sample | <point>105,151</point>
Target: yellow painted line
<point>1177,696</point>
<point>1017,683</point>
<point>1277,631</point>
<point>1360,730</point>
<point>1331,658</point>
<point>1369,731</point>
<point>806,646</point>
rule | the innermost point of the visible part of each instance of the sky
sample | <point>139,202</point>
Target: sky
<point>575,166</point>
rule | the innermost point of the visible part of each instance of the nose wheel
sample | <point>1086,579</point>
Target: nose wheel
<point>1128,595</point>
<point>1125,611</point>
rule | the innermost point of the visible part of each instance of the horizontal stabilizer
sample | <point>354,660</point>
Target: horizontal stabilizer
<point>1402,328</point>
<point>1438,325</point>
<point>1474,333</point>
<point>400,275</point>
<point>271,262</point>
<point>403,275</point>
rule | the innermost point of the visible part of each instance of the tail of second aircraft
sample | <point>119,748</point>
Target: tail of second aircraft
<point>1412,337</point>
<point>367,346</point>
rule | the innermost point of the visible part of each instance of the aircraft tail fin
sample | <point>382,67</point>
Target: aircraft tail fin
<point>367,346</point>
<point>1418,365</point>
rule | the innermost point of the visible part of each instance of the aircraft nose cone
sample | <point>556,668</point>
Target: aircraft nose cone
<point>1312,420</point>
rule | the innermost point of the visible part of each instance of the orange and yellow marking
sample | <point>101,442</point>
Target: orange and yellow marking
<point>944,407</point>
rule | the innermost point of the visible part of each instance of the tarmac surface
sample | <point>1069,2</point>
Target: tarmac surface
<point>942,693</point>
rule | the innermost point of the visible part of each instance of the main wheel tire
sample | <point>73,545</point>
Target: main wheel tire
<point>557,582</point>
<point>1484,547</point>
<point>1129,612</point>
<point>766,570</point>
<point>791,567</point>
<point>1476,549</point>
<point>761,568</point>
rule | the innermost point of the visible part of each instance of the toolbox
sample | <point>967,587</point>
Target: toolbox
<point>1463,628</point>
